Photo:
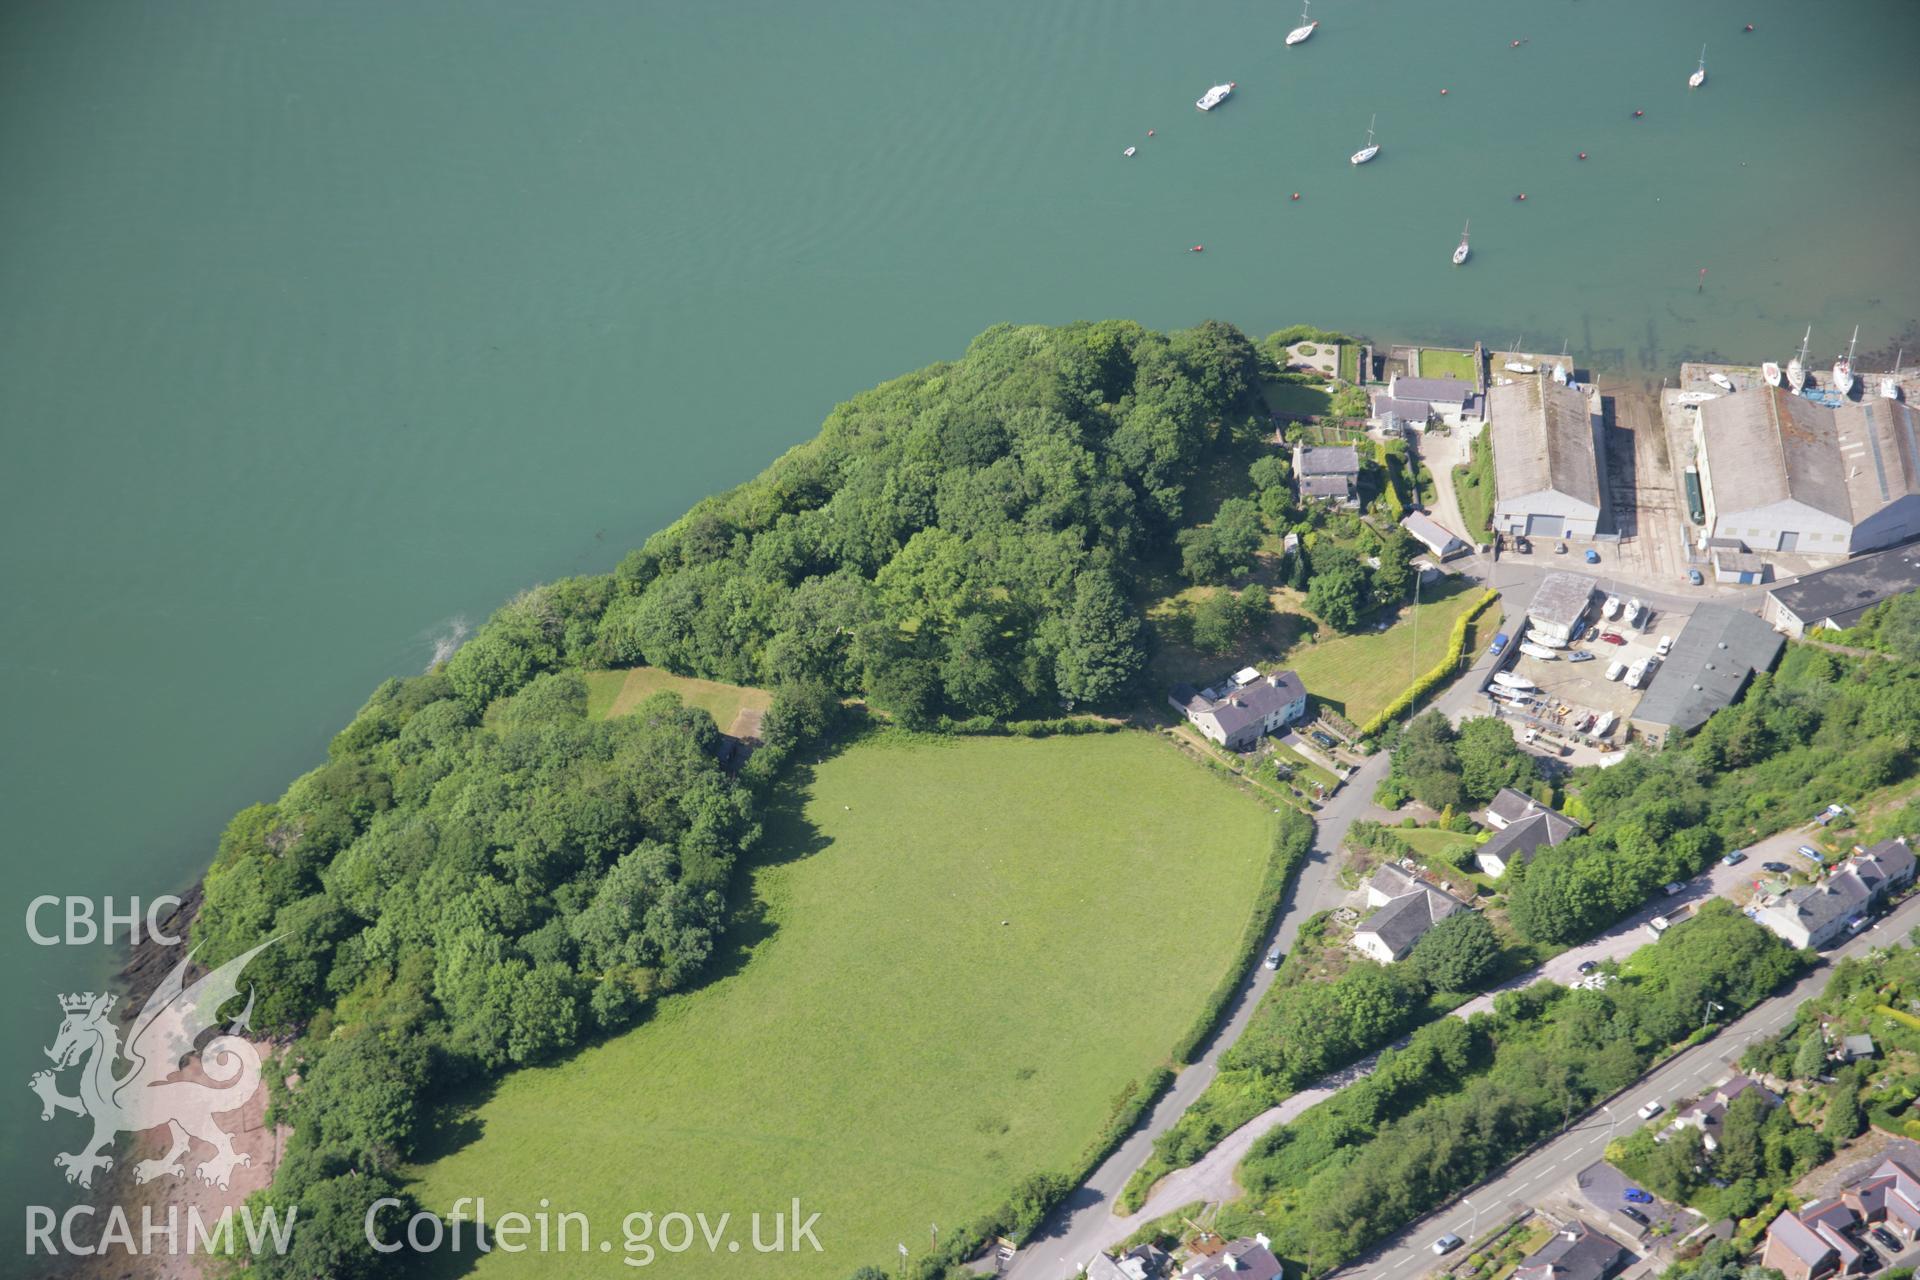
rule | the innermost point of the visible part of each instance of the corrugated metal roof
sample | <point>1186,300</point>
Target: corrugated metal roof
<point>1543,440</point>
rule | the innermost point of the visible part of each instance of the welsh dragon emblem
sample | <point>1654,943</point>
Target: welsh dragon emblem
<point>162,1035</point>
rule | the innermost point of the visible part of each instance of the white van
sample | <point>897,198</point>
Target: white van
<point>1616,669</point>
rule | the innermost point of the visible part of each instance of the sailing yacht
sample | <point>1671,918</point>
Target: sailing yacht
<point>1699,77</point>
<point>1560,366</point>
<point>1890,383</point>
<point>1300,33</point>
<point>1518,365</point>
<point>1843,367</point>
<point>1797,367</point>
<point>1460,254</point>
<point>1369,151</point>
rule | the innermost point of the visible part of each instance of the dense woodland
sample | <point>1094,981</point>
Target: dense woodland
<point>478,877</point>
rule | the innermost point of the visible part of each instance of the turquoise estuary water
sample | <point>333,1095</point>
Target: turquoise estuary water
<point>326,327</point>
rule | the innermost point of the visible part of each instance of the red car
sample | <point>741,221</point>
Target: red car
<point>1611,638</point>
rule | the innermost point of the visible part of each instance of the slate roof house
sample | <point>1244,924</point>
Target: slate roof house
<point>1242,1259</point>
<point>1330,471</point>
<point>1451,400</point>
<point>1576,1252</point>
<point>1142,1262</point>
<point>1522,827</point>
<point>1811,1242</point>
<point>1709,1112</point>
<point>1240,715</point>
<point>1546,466</point>
<point>1407,907</point>
<point>1780,472</point>
<point>1819,915</point>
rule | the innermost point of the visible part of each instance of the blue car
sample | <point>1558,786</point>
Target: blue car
<point>1693,576</point>
<point>1636,1196</point>
<point>1499,644</point>
<point>1593,557</point>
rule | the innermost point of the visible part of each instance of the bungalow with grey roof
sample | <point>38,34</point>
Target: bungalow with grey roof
<point>1709,1113</point>
<point>1450,400</point>
<point>1522,826</point>
<point>1407,907</point>
<point>1576,1252</point>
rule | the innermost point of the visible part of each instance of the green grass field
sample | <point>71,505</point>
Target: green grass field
<point>1359,674</point>
<point>1446,364</point>
<point>1294,398</point>
<point>881,1045</point>
<point>616,693</point>
<point>1432,842</point>
<point>1349,362</point>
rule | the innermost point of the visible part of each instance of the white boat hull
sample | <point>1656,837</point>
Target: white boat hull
<point>1889,389</point>
<point>1843,379</point>
<point>1365,154</point>
<point>1697,79</point>
<point>1460,255</point>
<point>1796,376</point>
<point>1513,366</point>
<point>1771,372</point>
<point>1299,34</point>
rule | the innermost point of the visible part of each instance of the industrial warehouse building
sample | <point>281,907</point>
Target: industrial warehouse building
<point>1780,472</point>
<point>1558,608</point>
<point>1709,668</point>
<point>1833,599</point>
<point>1546,458</point>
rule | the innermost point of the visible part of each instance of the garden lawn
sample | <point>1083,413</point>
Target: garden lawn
<point>1432,842</point>
<point>1359,674</point>
<point>617,693</point>
<point>1446,364</point>
<point>968,948</point>
<point>1294,398</point>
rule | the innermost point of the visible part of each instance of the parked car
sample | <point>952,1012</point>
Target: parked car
<point>1499,644</point>
<point>1665,646</point>
<point>1693,576</point>
<point>1273,958</point>
<point>1637,1216</point>
<point>1734,859</point>
<point>1675,889</point>
<point>1808,851</point>
<point>1889,1241</point>
<point>1651,1110</point>
<point>1778,868</point>
<point>1593,633</point>
<point>1593,557</point>
<point>1560,548</point>
<point>1657,927</point>
<point>1870,1261</point>
<point>1446,1244</point>
<point>1636,1196</point>
<point>1585,655</point>
<point>1612,638</point>
<point>1588,966</point>
<point>1615,670</point>
<point>1521,545</point>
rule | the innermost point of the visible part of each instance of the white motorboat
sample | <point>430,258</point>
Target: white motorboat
<point>1770,370</point>
<point>1510,681</point>
<point>1129,152</point>
<point>1699,77</point>
<point>1604,725</point>
<point>1215,96</point>
<point>1696,397</point>
<point>1460,254</point>
<point>1890,383</point>
<point>1843,367</point>
<point>1300,33</point>
<point>1797,367</point>
<point>1539,651</point>
<point>1720,380</point>
<point>1369,151</point>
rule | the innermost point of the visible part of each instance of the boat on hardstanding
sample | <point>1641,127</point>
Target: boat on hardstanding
<point>1770,370</point>
<point>1215,96</point>
<point>1460,254</point>
<point>1890,383</point>
<point>1720,380</point>
<point>1560,366</point>
<point>1300,33</point>
<point>1699,76</point>
<point>1517,364</point>
<point>1843,367</point>
<point>1797,367</point>
<point>1369,151</point>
